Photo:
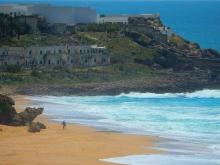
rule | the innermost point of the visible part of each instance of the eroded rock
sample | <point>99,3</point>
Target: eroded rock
<point>36,127</point>
<point>9,116</point>
<point>27,116</point>
<point>7,111</point>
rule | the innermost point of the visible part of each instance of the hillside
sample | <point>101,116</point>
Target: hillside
<point>141,60</point>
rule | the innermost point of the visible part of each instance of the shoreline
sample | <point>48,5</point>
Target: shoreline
<point>77,143</point>
<point>152,85</point>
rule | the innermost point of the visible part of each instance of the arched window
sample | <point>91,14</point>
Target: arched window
<point>48,62</point>
<point>58,62</point>
<point>30,52</point>
<point>41,52</point>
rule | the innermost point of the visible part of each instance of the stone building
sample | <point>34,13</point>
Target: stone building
<point>50,56</point>
<point>124,18</point>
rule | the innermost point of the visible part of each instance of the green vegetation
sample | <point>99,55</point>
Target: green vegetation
<point>11,27</point>
<point>59,75</point>
<point>105,27</point>
<point>12,68</point>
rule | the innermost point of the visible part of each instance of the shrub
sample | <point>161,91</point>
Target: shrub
<point>13,68</point>
<point>35,73</point>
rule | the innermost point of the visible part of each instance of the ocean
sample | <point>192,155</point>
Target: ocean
<point>187,123</point>
<point>197,21</point>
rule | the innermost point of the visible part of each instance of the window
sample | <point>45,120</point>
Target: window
<point>60,51</point>
<point>30,52</point>
<point>71,61</point>
<point>58,62</point>
<point>68,51</point>
<point>87,50</point>
<point>48,62</point>
<point>41,52</point>
<point>80,51</point>
<point>40,62</point>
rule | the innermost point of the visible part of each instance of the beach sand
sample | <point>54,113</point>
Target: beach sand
<point>78,145</point>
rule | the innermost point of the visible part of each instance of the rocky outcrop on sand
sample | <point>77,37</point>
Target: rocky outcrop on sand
<point>27,116</point>
<point>36,127</point>
<point>9,116</point>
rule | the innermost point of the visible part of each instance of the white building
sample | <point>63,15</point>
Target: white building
<point>123,18</point>
<point>53,14</point>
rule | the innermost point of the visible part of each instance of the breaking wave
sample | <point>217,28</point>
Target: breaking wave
<point>206,93</point>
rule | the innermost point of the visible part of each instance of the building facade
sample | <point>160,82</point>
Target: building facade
<point>53,14</point>
<point>124,18</point>
<point>50,56</point>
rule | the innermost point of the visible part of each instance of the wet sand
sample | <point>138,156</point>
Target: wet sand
<point>77,144</point>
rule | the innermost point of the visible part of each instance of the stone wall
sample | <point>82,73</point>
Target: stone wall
<point>47,56</point>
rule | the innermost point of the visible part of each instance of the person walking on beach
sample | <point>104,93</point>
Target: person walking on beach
<point>64,124</point>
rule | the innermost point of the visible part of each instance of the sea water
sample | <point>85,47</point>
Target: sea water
<point>196,20</point>
<point>188,123</point>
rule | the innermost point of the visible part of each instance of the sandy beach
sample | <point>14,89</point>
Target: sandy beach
<point>78,145</point>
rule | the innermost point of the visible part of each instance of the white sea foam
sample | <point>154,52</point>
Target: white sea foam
<point>162,160</point>
<point>206,93</point>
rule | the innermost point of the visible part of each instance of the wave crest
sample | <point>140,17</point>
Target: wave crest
<point>206,93</point>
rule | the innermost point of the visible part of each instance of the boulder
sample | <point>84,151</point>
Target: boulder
<point>36,127</point>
